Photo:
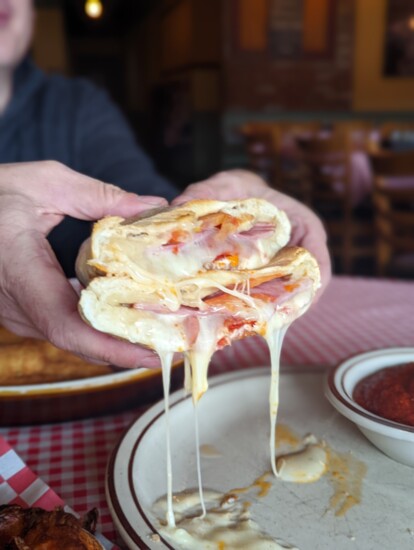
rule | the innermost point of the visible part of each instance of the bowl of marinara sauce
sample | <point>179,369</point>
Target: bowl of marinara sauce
<point>375,390</point>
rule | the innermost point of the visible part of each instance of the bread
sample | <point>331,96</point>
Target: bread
<point>169,243</point>
<point>29,361</point>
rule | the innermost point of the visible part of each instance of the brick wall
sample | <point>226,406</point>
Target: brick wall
<point>263,80</point>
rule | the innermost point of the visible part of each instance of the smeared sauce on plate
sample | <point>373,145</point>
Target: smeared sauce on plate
<point>345,474</point>
<point>227,522</point>
<point>310,459</point>
<point>226,525</point>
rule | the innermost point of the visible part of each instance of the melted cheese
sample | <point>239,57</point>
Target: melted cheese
<point>275,332</point>
<point>201,352</point>
<point>170,248</point>
<point>223,521</point>
<point>305,465</point>
<point>274,338</point>
<point>198,460</point>
<point>166,362</point>
<point>226,525</point>
<point>196,364</point>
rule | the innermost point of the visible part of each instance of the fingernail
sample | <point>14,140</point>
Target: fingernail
<point>153,201</point>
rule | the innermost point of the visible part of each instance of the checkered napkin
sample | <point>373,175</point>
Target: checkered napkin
<point>19,485</point>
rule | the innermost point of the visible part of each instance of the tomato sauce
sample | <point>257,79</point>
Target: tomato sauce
<point>389,393</point>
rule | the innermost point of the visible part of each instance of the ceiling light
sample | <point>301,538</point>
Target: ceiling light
<point>93,8</point>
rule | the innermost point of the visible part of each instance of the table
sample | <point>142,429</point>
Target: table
<point>353,315</point>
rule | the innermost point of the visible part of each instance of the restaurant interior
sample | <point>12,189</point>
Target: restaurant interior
<point>298,91</point>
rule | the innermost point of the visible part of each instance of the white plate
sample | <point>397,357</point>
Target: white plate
<point>234,418</point>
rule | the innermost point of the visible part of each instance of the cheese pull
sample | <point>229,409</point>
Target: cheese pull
<point>143,315</point>
<point>193,279</point>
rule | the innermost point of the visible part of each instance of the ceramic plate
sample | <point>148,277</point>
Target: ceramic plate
<point>234,420</point>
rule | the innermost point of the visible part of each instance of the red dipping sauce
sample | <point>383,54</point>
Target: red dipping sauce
<point>389,393</point>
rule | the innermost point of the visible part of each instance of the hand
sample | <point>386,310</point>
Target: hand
<point>307,228</point>
<point>36,299</point>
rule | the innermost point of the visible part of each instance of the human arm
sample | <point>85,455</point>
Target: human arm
<point>107,149</point>
<point>307,228</point>
<point>36,299</point>
<point>102,146</point>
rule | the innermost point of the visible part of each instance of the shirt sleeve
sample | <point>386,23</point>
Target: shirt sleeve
<point>106,147</point>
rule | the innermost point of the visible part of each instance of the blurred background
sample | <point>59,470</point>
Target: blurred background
<point>317,96</point>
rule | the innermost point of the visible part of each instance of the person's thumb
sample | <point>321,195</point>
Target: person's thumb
<point>62,191</point>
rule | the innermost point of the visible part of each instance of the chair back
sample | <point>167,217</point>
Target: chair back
<point>393,199</point>
<point>272,152</point>
<point>328,159</point>
<point>359,134</point>
<point>261,142</point>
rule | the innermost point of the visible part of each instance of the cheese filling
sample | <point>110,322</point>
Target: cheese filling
<point>194,245</point>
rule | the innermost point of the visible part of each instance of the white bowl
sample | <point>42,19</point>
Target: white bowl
<point>392,438</point>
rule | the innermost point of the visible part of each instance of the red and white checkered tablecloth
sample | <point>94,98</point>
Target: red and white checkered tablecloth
<point>353,315</point>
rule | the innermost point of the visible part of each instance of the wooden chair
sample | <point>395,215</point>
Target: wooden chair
<point>393,199</point>
<point>291,171</point>
<point>271,149</point>
<point>349,228</point>
<point>260,145</point>
<point>358,134</point>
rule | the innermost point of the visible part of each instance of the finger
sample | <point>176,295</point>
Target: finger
<point>226,185</point>
<point>60,190</point>
<point>195,191</point>
<point>55,315</point>
<point>308,232</point>
<point>21,327</point>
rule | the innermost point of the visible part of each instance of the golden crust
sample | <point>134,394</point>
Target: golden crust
<point>113,246</point>
<point>295,261</point>
<point>164,217</point>
<point>29,361</point>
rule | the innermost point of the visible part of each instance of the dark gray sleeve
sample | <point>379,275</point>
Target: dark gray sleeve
<point>107,149</point>
<point>104,147</point>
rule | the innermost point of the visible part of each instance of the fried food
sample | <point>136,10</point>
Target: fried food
<point>29,361</point>
<point>37,529</point>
